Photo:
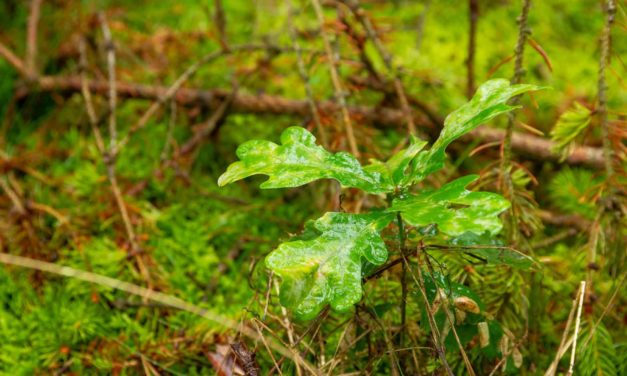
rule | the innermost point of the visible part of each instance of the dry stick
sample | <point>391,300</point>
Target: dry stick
<point>438,342</point>
<point>610,12</point>
<point>31,37</point>
<point>448,315</point>
<point>108,159</point>
<point>609,305</point>
<point>304,76</point>
<point>288,326</point>
<point>315,326</point>
<point>173,89</point>
<point>504,356</point>
<point>149,294</point>
<point>582,293</point>
<point>111,156</point>
<point>390,349</point>
<point>211,124</point>
<point>267,346</point>
<point>13,60</point>
<point>91,113</point>
<point>473,13</point>
<point>220,21</point>
<point>387,60</point>
<point>113,93</point>
<point>532,147</point>
<point>335,78</point>
<point>561,349</point>
<point>506,179</point>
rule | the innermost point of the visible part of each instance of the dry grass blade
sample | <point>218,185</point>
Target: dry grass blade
<point>155,296</point>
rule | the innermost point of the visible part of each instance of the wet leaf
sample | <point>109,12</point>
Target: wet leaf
<point>454,209</point>
<point>328,269</point>
<point>489,101</point>
<point>492,250</point>
<point>298,161</point>
<point>395,169</point>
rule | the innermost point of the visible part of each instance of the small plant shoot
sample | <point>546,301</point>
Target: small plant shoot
<point>328,267</point>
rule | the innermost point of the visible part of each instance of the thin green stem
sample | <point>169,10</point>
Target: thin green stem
<point>610,11</point>
<point>403,306</point>
<point>519,71</point>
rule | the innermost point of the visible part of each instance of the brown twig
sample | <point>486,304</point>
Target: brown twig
<point>304,76</point>
<point>610,11</point>
<point>438,341</point>
<point>31,37</point>
<point>473,13</point>
<point>220,22</point>
<point>340,93</point>
<point>14,61</point>
<point>449,317</point>
<point>113,93</point>
<point>173,89</point>
<point>361,16</point>
<point>532,147</point>
<point>582,293</point>
<point>107,157</point>
<point>505,179</point>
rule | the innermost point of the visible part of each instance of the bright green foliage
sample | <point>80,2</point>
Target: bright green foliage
<point>569,125</point>
<point>299,161</point>
<point>454,209</point>
<point>489,101</point>
<point>327,269</point>
<point>395,169</point>
<point>599,357</point>
<point>574,190</point>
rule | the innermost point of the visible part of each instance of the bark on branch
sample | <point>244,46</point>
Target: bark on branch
<point>531,147</point>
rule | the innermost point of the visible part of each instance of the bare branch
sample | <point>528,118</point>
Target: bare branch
<point>31,37</point>
<point>13,60</point>
<point>387,60</point>
<point>610,11</point>
<point>335,78</point>
<point>529,146</point>
<point>302,71</point>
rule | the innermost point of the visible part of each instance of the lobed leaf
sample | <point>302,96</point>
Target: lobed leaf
<point>327,269</point>
<point>298,161</point>
<point>489,101</point>
<point>394,172</point>
<point>453,208</point>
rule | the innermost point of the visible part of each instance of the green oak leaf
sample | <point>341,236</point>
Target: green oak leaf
<point>298,161</point>
<point>399,163</point>
<point>395,171</point>
<point>453,208</point>
<point>489,101</point>
<point>328,268</point>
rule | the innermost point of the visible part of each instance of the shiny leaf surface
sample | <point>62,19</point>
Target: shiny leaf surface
<point>492,250</point>
<point>298,161</point>
<point>489,101</point>
<point>395,172</point>
<point>454,209</point>
<point>328,269</point>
